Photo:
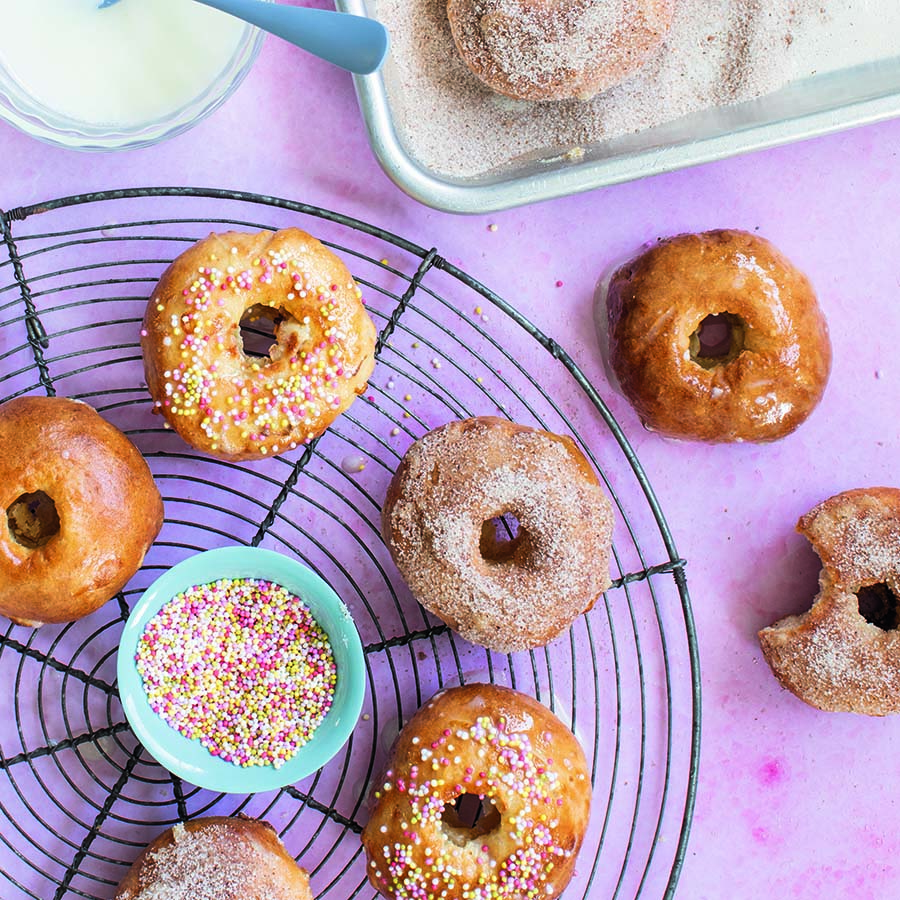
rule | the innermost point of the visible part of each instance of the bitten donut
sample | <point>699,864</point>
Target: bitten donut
<point>216,858</point>
<point>81,510</point>
<point>717,337</point>
<point>219,399</point>
<point>501,530</point>
<point>843,655</point>
<point>556,49</point>
<point>486,795</point>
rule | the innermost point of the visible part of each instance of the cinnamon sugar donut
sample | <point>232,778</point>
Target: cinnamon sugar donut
<point>488,744</point>
<point>556,49</point>
<point>216,858</point>
<point>717,337</point>
<point>843,655</point>
<point>458,491</point>
<point>235,406</point>
<point>81,510</point>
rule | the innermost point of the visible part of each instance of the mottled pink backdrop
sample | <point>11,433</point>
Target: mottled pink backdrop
<point>792,802</point>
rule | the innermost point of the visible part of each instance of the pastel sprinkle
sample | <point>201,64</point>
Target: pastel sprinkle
<point>353,463</point>
<point>240,665</point>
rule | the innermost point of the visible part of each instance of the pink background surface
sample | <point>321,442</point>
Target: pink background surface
<point>792,802</point>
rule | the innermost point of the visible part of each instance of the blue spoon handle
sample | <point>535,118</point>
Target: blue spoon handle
<point>355,43</point>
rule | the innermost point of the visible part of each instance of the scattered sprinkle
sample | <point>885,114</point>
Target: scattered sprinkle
<point>353,463</point>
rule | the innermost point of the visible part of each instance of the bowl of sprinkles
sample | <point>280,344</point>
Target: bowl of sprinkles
<point>240,670</point>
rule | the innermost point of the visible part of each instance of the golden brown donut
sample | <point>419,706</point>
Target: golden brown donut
<point>235,406</point>
<point>488,743</point>
<point>440,521</point>
<point>843,655</point>
<point>763,379</point>
<point>216,858</point>
<point>81,508</point>
<point>556,49</point>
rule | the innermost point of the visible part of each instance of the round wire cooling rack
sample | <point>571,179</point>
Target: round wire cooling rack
<point>79,795</point>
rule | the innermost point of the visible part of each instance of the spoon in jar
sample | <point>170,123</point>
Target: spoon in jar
<point>356,43</point>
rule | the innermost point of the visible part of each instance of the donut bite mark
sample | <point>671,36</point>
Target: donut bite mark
<point>488,749</point>
<point>717,337</point>
<point>843,655</point>
<point>236,406</point>
<point>216,858</point>
<point>556,49</point>
<point>501,530</point>
<point>81,510</point>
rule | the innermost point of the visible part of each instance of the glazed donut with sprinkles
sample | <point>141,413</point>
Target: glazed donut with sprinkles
<point>486,796</point>
<point>225,402</point>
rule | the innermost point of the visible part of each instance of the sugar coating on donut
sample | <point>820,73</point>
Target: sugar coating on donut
<point>229,404</point>
<point>492,743</point>
<point>768,379</point>
<point>843,654</point>
<point>216,859</point>
<point>556,49</point>
<point>466,474</point>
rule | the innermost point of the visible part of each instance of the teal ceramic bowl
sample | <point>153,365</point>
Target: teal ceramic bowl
<point>189,759</point>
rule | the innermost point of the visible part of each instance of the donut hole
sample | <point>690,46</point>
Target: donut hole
<point>878,606</point>
<point>501,536</point>
<point>470,817</point>
<point>33,520</point>
<point>263,328</point>
<point>718,340</point>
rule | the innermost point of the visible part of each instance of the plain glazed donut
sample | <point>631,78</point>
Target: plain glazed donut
<point>773,357</point>
<point>556,49</point>
<point>843,655</point>
<point>81,510</point>
<point>235,406</point>
<point>443,519</point>
<point>489,744</point>
<point>216,858</point>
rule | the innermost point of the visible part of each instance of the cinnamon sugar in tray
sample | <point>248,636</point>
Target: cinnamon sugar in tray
<point>718,52</point>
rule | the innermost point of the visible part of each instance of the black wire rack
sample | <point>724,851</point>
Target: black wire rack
<point>79,795</point>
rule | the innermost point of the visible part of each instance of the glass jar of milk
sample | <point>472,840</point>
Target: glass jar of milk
<point>125,76</point>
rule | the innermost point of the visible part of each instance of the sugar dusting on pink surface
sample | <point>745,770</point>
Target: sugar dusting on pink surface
<point>718,52</point>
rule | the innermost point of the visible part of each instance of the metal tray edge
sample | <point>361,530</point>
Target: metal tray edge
<point>452,196</point>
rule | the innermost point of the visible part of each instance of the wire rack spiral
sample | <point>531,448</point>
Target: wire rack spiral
<point>79,795</point>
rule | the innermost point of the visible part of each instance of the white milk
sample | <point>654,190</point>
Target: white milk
<point>135,62</point>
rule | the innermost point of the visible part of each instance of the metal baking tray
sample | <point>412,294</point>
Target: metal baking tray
<point>804,109</point>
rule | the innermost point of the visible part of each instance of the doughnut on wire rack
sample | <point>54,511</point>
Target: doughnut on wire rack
<point>79,795</point>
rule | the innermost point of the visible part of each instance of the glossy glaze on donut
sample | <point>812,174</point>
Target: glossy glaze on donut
<point>776,368</point>
<point>216,858</point>
<point>80,510</point>
<point>556,49</point>
<point>843,655</point>
<point>501,746</point>
<point>235,406</point>
<point>511,595</point>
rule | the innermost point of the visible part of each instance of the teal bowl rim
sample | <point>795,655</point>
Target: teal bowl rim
<point>189,759</point>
